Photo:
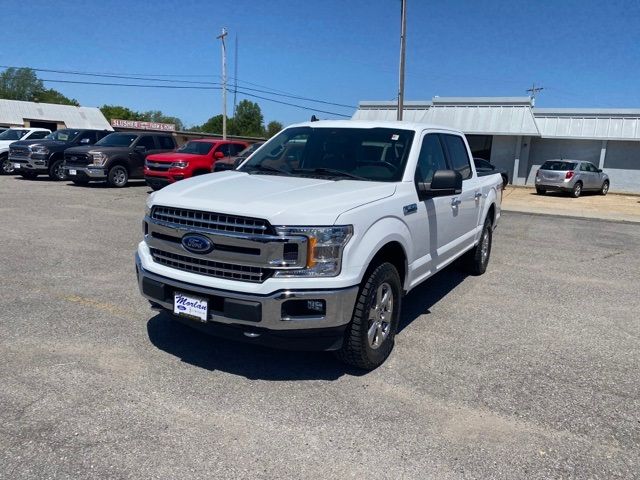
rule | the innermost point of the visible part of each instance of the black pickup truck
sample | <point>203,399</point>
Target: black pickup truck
<point>46,156</point>
<point>116,158</point>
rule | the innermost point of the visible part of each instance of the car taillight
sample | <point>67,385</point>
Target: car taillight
<point>568,176</point>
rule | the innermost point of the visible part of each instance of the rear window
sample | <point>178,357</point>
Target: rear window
<point>558,165</point>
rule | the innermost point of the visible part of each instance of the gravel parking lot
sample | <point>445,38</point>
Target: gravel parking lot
<point>530,371</point>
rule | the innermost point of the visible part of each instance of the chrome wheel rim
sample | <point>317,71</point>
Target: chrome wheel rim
<point>605,188</point>
<point>380,316</point>
<point>119,176</point>
<point>484,246</point>
<point>578,189</point>
<point>7,166</point>
<point>58,171</point>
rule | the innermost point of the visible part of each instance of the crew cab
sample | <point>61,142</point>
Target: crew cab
<point>313,241</point>
<point>13,135</point>
<point>116,158</point>
<point>195,157</point>
<point>31,158</point>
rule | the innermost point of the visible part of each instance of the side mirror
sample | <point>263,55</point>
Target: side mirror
<point>223,167</point>
<point>443,183</point>
<point>599,170</point>
<point>218,155</point>
<point>85,141</point>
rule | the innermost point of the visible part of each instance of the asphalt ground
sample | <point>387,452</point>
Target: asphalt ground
<point>529,371</point>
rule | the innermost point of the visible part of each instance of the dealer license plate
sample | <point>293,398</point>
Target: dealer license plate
<point>188,306</point>
<point>16,165</point>
<point>72,172</point>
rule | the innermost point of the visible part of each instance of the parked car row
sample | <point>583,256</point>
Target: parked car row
<point>85,155</point>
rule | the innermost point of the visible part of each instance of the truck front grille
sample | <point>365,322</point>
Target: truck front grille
<point>158,166</point>
<point>77,159</point>
<point>19,152</point>
<point>210,268</point>
<point>215,222</point>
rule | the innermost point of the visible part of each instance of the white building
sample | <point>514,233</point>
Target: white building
<point>513,135</point>
<point>14,113</point>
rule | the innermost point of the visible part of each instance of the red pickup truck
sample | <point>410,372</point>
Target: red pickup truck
<point>195,157</point>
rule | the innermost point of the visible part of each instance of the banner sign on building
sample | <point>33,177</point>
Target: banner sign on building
<point>139,125</point>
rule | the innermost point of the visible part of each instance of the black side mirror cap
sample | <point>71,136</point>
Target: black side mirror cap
<point>443,183</point>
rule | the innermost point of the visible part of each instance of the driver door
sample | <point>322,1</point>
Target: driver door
<point>145,145</point>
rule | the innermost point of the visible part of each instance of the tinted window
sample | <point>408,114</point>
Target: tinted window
<point>458,155</point>
<point>88,135</point>
<point>224,149</point>
<point>63,135</point>
<point>197,148</point>
<point>146,142</point>
<point>558,165</point>
<point>482,163</point>
<point>236,148</point>
<point>431,158</point>
<point>37,135</point>
<point>12,134</point>
<point>118,140</point>
<point>166,143</point>
<point>592,168</point>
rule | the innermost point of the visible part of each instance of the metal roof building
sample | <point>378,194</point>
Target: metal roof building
<point>14,113</point>
<point>514,135</point>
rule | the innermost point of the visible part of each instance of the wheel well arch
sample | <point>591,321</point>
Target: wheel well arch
<point>491,213</point>
<point>394,253</point>
<point>120,161</point>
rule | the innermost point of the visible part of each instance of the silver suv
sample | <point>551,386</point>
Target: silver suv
<point>573,176</point>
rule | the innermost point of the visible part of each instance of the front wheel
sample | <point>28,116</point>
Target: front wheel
<point>6,167</point>
<point>118,176</point>
<point>605,188</point>
<point>56,170</point>
<point>370,336</point>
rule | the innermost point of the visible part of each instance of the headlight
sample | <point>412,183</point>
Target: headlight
<point>40,150</point>
<point>99,158</point>
<point>180,164</point>
<point>325,246</point>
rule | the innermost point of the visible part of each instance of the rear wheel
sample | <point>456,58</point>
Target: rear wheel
<point>56,170</point>
<point>118,176</point>
<point>605,188</point>
<point>577,190</point>
<point>541,191</point>
<point>6,167</point>
<point>477,258</point>
<point>370,336</point>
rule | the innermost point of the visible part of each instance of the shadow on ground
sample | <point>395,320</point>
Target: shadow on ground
<point>256,362</point>
<point>131,183</point>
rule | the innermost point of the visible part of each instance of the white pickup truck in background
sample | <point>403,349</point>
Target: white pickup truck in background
<point>314,240</point>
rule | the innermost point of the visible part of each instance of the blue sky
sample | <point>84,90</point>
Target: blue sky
<point>584,53</point>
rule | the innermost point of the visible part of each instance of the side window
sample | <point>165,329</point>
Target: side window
<point>431,158</point>
<point>37,135</point>
<point>87,135</point>
<point>584,167</point>
<point>458,155</point>
<point>592,168</point>
<point>147,142</point>
<point>100,135</point>
<point>224,149</point>
<point>166,143</point>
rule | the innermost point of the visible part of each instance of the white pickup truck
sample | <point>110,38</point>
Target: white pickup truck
<point>314,240</point>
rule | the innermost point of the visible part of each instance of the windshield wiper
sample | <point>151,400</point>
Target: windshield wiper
<point>266,168</point>
<point>328,171</point>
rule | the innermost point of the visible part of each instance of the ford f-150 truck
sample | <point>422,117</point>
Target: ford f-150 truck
<point>31,158</point>
<point>195,157</point>
<point>314,240</point>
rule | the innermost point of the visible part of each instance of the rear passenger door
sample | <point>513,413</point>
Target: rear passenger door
<point>466,206</point>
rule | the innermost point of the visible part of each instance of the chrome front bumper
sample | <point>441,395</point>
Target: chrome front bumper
<point>271,310</point>
<point>30,163</point>
<point>85,172</point>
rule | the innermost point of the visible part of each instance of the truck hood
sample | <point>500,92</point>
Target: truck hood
<point>173,156</point>
<point>279,199</point>
<point>44,142</point>
<point>98,148</point>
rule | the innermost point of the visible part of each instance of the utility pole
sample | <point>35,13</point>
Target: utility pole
<point>403,44</point>
<point>224,83</point>
<point>532,93</point>
<point>235,77</point>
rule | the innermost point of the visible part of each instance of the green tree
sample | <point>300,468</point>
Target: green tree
<point>272,128</point>
<point>23,84</point>
<point>49,95</point>
<point>214,125</point>
<point>247,120</point>
<point>158,116</point>
<point>122,113</point>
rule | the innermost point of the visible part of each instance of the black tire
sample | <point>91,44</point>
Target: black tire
<point>577,190</point>
<point>541,191</point>
<point>28,175</point>
<point>358,349</point>
<point>56,170</point>
<point>6,167</point>
<point>118,176</point>
<point>80,182</point>
<point>477,259</point>
<point>605,188</point>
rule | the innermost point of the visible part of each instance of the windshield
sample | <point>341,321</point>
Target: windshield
<point>197,148</point>
<point>372,154</point>
<point>65,135</point>
<point>558,165</point>
<point>12,134</point>
<point>250,149</point>
<point>118,140</point>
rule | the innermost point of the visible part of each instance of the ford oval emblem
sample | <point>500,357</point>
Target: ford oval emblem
<point>196,243</point>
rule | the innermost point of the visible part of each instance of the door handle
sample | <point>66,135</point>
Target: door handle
<point>478,195</point>
<point>455,202</point>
